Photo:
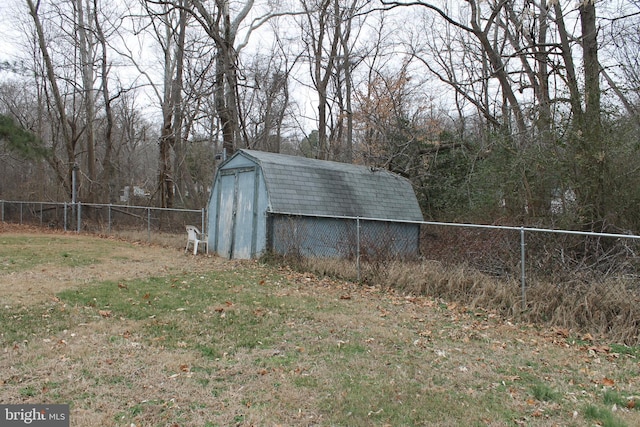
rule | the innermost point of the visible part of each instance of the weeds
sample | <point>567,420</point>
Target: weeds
<point>544,393</point>
<point>603,417</point>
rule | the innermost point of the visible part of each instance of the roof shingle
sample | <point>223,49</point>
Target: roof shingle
<point>299,185</point>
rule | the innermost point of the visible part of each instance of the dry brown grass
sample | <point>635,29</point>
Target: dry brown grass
<point>609,309</point>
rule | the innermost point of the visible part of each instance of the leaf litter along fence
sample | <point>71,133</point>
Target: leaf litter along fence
<point>574,280</point>
<point>583,281</point>
<point>102,218</point>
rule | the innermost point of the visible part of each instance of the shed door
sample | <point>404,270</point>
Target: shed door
<point>237,210</point>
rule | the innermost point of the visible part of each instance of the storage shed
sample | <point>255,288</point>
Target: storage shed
<point>265,202</point>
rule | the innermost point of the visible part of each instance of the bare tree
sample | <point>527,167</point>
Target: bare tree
<point>320,34</point>
<point>222,25</point>
<point>86,47</point>
<point>58,110</point>
<point>76,70</point>
<point>266,97</point>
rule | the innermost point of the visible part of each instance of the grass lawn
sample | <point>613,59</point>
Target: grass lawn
<point>149,336</point>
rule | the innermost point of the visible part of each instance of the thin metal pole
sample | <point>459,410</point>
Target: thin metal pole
<point>2,204</point>
<point>149,224</point>
<point>40,214</point>
<point>202,222</point>
<point>65,216</point>
<point>522,268</point>
<point>20,213</point>
<point>109,219</point>
<point>79,221</point>
<point>358,247</point>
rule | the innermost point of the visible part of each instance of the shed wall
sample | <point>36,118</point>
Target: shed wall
<point>237,211</point>
<point>338,237</point>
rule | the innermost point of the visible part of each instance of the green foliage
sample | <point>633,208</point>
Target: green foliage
<point>445,194</point>
<point>310,146</point>
<point>492,177</point>
<point>21,141</point>
<point>199,157</point>
<point>544,393</point>
<point>621,193</point>
<point>603,417</point>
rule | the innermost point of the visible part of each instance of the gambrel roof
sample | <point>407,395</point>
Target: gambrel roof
<point>299,185</point>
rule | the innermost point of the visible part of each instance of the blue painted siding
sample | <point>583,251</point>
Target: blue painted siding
<point>338,238</point>
<point>252,187</point>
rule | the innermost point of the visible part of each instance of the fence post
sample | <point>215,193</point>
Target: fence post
<point>202,219</point>
<point>40,214</point>
<point>20,213</point>
<point>2,209</point>
<point>109,219</point>
<point>522,268</point>
<point>358,248</point>
<point>65,216</point>
<point>149,224</point>
<point>79,220</point>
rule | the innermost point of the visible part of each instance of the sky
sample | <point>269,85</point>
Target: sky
<point>8,28</point>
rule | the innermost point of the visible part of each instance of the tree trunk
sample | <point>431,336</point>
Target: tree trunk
<point>108,168</point>
<point>594,153</point>
<point>84,46</point>
<point>60,110</point>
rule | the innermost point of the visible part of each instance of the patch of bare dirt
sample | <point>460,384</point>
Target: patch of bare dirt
<point>130,261</point>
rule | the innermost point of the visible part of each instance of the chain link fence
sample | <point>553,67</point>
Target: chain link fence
<point>138,222</point>
<point>574,280</point>
<point>580,281</point>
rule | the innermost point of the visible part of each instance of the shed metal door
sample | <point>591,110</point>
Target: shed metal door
<point>237,213</point>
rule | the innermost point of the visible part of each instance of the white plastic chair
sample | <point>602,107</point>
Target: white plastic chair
<point>195,238</point>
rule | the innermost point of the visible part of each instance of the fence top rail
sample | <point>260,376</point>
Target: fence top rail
<point>32,203</point>
<point>103,205</point>
<point>533,229</point>
<point>444,224</point>
<point>469,225</point>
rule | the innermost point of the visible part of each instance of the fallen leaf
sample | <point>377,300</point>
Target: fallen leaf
<point>105,313</point>
<point>599,349</point>
<point>608,382</point>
